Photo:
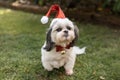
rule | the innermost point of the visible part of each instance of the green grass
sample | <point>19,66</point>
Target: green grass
<point>22,35</point>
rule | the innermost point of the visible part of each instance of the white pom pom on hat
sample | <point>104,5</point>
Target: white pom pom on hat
<point>44,19</point>
<point>53,8</point>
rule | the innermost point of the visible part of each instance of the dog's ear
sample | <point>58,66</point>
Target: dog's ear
<point>76,31</point>
<point>49,44</point>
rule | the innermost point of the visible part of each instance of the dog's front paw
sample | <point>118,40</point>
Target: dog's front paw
<point>69,72</point>
<point>49,68</point>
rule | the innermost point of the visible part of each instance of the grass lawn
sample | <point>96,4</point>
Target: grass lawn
<point>22,35</point>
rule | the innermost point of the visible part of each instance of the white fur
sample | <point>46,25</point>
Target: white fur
<point>52,59</point>
<point>77,50</point>
<point>62,21</point>
<point>58,37</point>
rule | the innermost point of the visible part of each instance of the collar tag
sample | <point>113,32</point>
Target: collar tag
<point>63,52</point>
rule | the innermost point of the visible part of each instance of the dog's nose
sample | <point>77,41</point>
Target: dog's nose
<point>65,31</point>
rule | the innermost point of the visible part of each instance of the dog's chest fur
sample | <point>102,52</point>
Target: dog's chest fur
<point>57,59</point>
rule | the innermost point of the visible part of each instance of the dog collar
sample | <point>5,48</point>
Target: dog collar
<point>62,49</point>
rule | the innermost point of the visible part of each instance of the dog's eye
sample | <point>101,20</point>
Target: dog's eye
<point>68,27</point>
<point>59,29</point>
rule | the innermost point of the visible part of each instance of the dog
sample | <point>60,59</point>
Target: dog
<point>58,49</point>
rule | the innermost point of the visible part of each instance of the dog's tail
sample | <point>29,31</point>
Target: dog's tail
<point>78,50</point>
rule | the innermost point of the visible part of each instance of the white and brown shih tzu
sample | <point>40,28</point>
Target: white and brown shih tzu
<point>58,49</point>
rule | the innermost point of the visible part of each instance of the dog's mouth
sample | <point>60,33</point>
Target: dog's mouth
<point>67,38</point>
<point>65,35</point>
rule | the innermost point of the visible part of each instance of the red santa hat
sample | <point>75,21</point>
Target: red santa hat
<point>54,8</point>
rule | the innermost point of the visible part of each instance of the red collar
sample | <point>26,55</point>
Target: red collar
<point>60,48</point>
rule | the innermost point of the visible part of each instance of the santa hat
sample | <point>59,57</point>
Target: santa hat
<point>54,8</point>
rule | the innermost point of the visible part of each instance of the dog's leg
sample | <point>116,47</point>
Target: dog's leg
<point>70,64</point>
<point>47,66</point>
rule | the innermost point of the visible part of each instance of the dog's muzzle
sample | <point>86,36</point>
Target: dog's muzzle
<point>66,33</point>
